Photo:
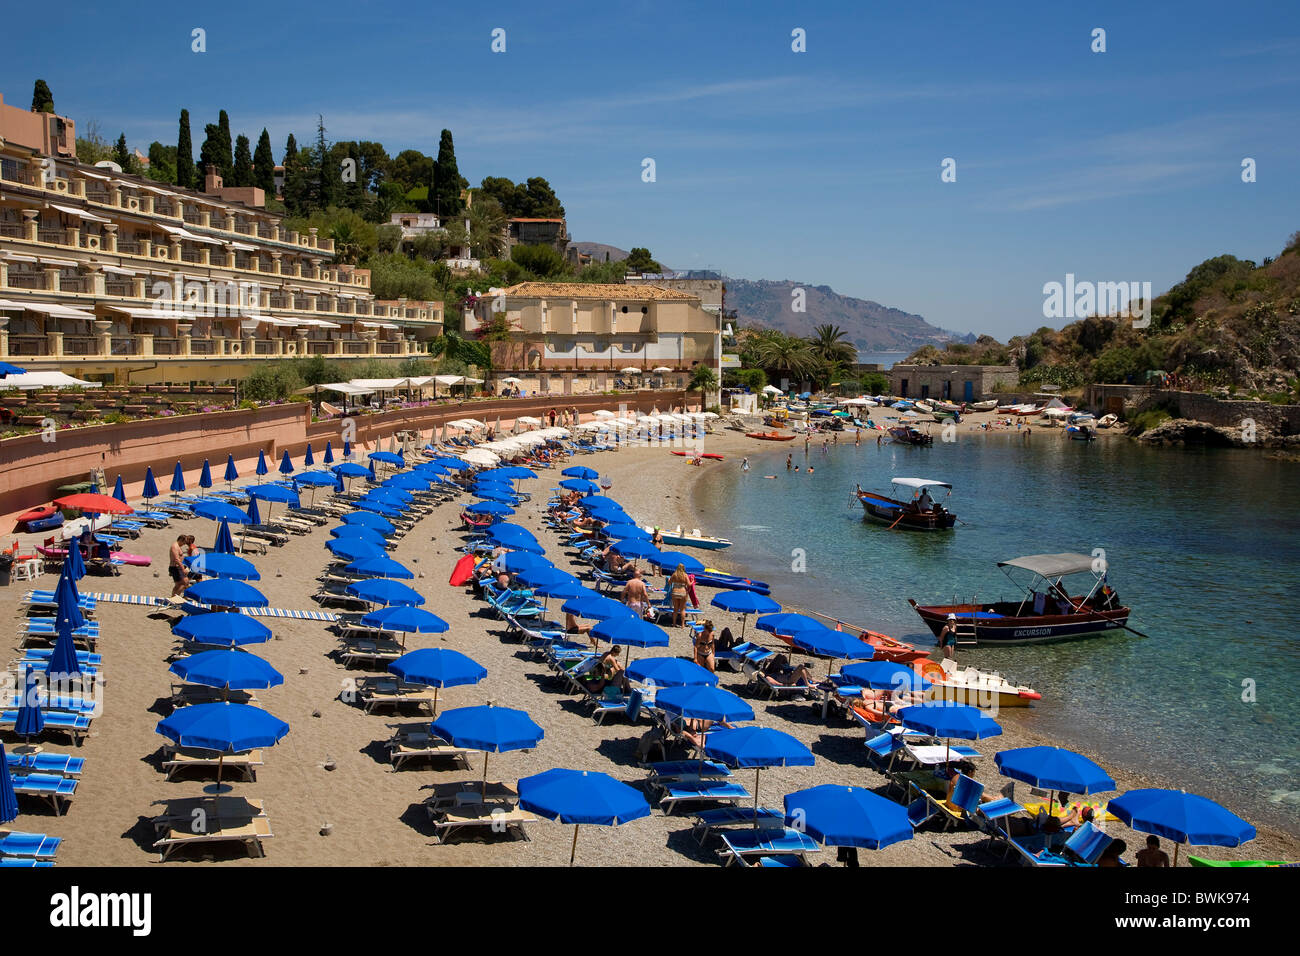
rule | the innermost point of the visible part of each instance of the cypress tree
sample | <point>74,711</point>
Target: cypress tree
<point>122,156</point>
<point>445,194</point>
<point>243,171</point>
<point>42,98</point>
<point>327,177</point>
<point>185,154</point>
<point>227,166</point>
<point>264,165</point>
<point>295,179</point>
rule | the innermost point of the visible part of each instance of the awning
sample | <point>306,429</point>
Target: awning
<point>28,380</point>
<point>118,270</point>
<point>241,246</point>
<point>321,323</point>
<point>65,263</point>
<point>86,172</point>
<point>920,483</point>
<point>448,379</point>
<point>7,305</point>
<point>1051,565</point>
<point>186,234</point>
<point>381,384</point>
<point>73,211</point>
<point>15,257</point>
<point>59,311</point>
<point>343,388</point>
<point>376,325</point>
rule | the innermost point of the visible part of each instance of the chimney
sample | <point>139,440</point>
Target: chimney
<point>211,180</point>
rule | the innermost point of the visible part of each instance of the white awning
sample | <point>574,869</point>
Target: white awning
<point>136,313</point>
<point>15,257</point>
<point>73,211</point>
<point>118,270</point>
<point>345,388</point>
<point>28,380</point>
<point>381,384</point>
<point>186,234</point>
<point>241,246</point>
<point>87,172</point>
<point>376,325</point>
<point>320,323</point>
<point>59,311</point>
<point>66,263</point>
<point>448,379</point>
<point>7,305</point>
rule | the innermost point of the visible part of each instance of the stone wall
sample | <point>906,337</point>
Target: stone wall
<point>1270,420</point>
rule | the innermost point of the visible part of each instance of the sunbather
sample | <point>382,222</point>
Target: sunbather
<point>607,672</point>
<point>704,647</point>
<point>635,595</point>
<point>694,731</point>
<point>571,626</point>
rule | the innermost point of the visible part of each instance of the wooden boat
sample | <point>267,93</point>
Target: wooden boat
<point>946,407</point>
<point>770,436</point>
<point>966,685</point>
<point>889,649</point>
<point>1107,421</point>
<point>942,415</point>
<point>923,408</point>
<point>1080,433</point>
<point>908,435</point>
<point>986,406</point>
<point>1041,616</point>
<point>920,513</point>
<point>693,540</point>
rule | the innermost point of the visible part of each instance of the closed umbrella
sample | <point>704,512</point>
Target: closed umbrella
<point>232,473</point>
<point>308,459</point>
<point>73,563</point>
<point>178,480</point>
<point>30,719</point>
<point>150,489</point>
<point>329,453</point>
<point>286,466</point>
<point>205,476</point>
<point>68,618</point>
<point>119,492</point>
<point>581,796</point>
<point>261,468</point>
<point>224,543</point>
<point>8,799</point>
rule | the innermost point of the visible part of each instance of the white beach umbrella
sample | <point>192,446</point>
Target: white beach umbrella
<point>662,370</point>
<point>604,413</point>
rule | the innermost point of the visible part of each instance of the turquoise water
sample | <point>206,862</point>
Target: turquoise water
<point>1204,545</point>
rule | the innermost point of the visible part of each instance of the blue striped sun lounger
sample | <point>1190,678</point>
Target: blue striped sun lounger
<point>764,818</point>
<point>72,705</point>
<point>147,600</point>
<point>31,846</point>
<point>47,786</point>
<point>65,765</point>
<point>39,655</point>
<point>325,616</point>
<point>75,725</point>
<point>702,791</point>
<point>47,599</point>
<point>10,862</point>
<point>739,844</point>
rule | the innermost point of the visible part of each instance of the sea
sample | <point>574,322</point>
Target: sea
<point>886,360</point>
<point>1203,544</point>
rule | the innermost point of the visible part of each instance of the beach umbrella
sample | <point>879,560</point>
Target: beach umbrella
<point>667,562</point>
<point>393,494</point>
<point>308,459</point>
<point>1181,817</point>
<point>329,453</point>
<point>703,703</point>
<point>437,667</point>
<point>547,576</point>
<point>225,630</point>
<point>671,672</point>
<point>150,489</point>
<point>261,468</point>
<point>178,480</point>
<point>368,520</point>
<point>835,645</point>
<point>223,728</point>
<point>385,591</point>
<point>205,476</point>
<point>392,458</point>
<point>360,532</point>
<point>119,492</point>
<point>350,469</point>
<point>516,561</point>
<point>224,565</point>
<point>73,563</point>
<point>599,501</point>
<point>788,624</point>
<point>215,510</point>
<point>253,514</point>
<point>30,719</point>
<point>612,514</point>
<point>224,543</point>
<point>513,536</point>
<point>95,504</point>
<point>406,620</point>
<point>596,606</point>
<point>631,632</point>
<point>949,720</point>
<point>228,670</point>
<point>8,799</point>
<point>272,494</point>
<point>7,369</point>
<point>379,566</point>
<point>744,603</point>
<point>758,748</point>
<point>232,473</point>
<point>580,484</point>
<point>224,592</point>
<point>68,618</point>
<point>347,449</point>
<point>847,816</point>
<point>633,548</point>
<point>580,471</point>
<point>625,532</point>
<point>286,466</point>
<point>885,675</point>
<point>508,472</point>
<point>446,461</point>
<point>409,481</point>
<point>379,507</point>
<point>490,729</point>
<point>489,508</point>
<point>565,586</point>
<point>581,796</point>
<point>1053,769</point>
<point>314,480</point>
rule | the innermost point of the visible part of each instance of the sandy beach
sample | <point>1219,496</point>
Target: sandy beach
<point>374,813</point>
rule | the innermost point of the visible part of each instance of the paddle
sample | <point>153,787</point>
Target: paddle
<point>1100,617</point>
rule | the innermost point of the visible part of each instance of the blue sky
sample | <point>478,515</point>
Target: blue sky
<point>822,166</point>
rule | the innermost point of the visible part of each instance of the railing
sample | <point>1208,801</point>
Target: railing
<point>128,248</point>
<point>74,283</point>
<point>352,347</point>
<point>203,347</point>
<point>320,348</point>
<point>57,237</point>
<point>163,209</point>
<point>98,194</point>
<point>26,280</point>
<point>123,345</point>
<point>191,255</point>
<point>165,345</point>
<point>388,348</point>
<point>80,345</point>
<point>122,287</point>
<point>27,344</point>
<point>263,347</point>
<point>12,230</point>
<point>194,218</point>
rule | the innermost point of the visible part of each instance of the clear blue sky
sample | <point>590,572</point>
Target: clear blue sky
<point>822,167</point>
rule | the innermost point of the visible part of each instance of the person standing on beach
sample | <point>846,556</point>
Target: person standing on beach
<point>176,566</point>
<point>948,637</point>
<point>789,462</point>
<point>677,594</point>
<point>806,440</point>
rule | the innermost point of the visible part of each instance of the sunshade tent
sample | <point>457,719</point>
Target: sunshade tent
<point>223,728</point>
<point>581,796</point>
<point>489,729</point>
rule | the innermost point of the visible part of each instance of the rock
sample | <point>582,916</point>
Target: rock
<point>315,713</point>
<point>326,829</point>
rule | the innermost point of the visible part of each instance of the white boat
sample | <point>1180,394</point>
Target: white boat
<point>987,406</point>
<point>976,688</point>
<point>923,408</point>
<point>1107,421</point>
<point>693,540</point>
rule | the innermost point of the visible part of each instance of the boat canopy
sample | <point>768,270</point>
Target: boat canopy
<point>922,483</point>
<point>1051,565</point>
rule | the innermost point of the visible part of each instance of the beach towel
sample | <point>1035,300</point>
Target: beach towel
<point>690,590</point>
<point>462,572</point>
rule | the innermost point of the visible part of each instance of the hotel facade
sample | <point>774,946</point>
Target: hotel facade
<point>121,278</point>
<point>572,338</point>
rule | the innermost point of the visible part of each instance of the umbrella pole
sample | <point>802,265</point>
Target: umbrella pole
<point>757,771</point>
<point>1176,847</point>
<point>573,853</point>
<point>483,792</point>
<point>435,700</point>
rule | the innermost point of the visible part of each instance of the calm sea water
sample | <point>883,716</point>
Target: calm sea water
<point>886,359</point>
<point>1204,545</point>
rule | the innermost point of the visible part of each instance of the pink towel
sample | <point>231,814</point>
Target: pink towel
<point>690,590</point>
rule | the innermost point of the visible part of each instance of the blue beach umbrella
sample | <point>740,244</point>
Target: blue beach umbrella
<point>308,459</point>
<point>788,624</point>
<point>384,508</point>
<point>30,719</point>
<point>272,494</point>
<point>261,468</point>
<point>545,575</point>
<point>408,481</point>
<point>224,543</point>
<point>1182,817</point>
<point>229,670</point>
<point>494,494</point>
<point>490,508</point>
<point>744,603</point>
<point>667,562</point>
<point>581,485</point>
<point>581,796</point>
<point>7,369</point>
<point>516,561</point>
<point>566,586</point>
<point>68,618</point>
<point>489,729</point>
<point>224,565</point>
<point>254,515</point>
<point>119,492</point>
<point>360,532</point>
<point>150,489</point>
<point>386,591</point>
<point>581,471</point>
<point>704,703</point>
<point>833,644</point>
<point>224,592</point>
<point>625,532</point>
<point>1053,768</point>
<point>757,748</point>
<point>513,536</point>
<point>232,473</point>
<point>223,728</point>
<point>671,672</point>
<point>598,501</point>
<point>8,799</point>
<point>885,675</point>
<point>596,606</point>
<point>350,469</point>
<point>368,519</point>
<point>949,720</point>
<point>316,479</point>
<point>847,816</point>
<point>73,563</point>
<point>286,466</point>
<point>379,566</point>
<point>631,632</point>
<point>329,453</point>
<point>205,476</point>
<point>223,630</point>
<point>178,479</point>
<point>437,667</point>
<point>215,510</point>
<point>406,619</point>
<point>632,548</point>
<point>392,458</point>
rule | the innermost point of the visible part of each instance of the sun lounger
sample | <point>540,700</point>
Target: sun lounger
<point>193,813</point>
<point>702,791</point>
<point>739,844</point>
<point>755,654</point>
<point>464,792</point>
<point>1082,848</point>
<point>414,742</point>
<point>62,703</point>
<point>495,817</point>
<point>64,765</point>
<point>706,821</point>
<point>375,693</point>
<point>769,685</point>
<point>250,833</point>
<point>48,786</point>
<point>31,846</point>
<point>178,760</point>
<point>185,695</point>
<point>75,726</point>
<point>42,598</point>
<point>363,653</point>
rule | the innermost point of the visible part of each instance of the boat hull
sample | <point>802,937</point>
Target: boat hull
<point>910,436</point>
<point>1010,629</point>
<point>716,579</point>
<point>891,512</point>
<point>769,436</point>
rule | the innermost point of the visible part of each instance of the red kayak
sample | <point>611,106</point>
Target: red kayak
<point>714,457</point>
<point>770,436</point>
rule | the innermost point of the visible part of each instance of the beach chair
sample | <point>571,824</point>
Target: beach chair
<point>31,846</point>
<point>46,599</point>
<point>628,705</point>
<point>369,653</point>
<point>701,791</point>
<point>965,798</point>
<point>492,817</point>
<point>764,818</point>
<point>738,845</point>
<point>250,833</point>
<point>447,796</point>
<point>1082,848</point>
<point>773,688</point>
<point>194,812</point>
<point>920,807</point>
<point>186,695</point>
<point>414,742</point>
<point>55,789</point>
<point>63,765</point>
<point>735,656</point>
<point>76,726</point>
<point>386,692</point>
<point>179,760</point>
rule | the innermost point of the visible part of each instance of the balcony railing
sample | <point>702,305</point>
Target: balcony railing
<point>11,230</point>
<point>165,345</point>
<point>77,283</point>
<point>27,344</point>
<point>80,345</point>
<point>26,280</point>
<point>203,347</point>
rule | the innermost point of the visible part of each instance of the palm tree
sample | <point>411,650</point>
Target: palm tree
<point>704,379</point>
<point>788,355</point>
<point>347,245</point>
<point>487,226</point>
<point>828,342</point>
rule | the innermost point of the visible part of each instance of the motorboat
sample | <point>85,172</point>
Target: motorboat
<point>695,539</point>
<point>953,684</point>
<point>907,435</point>
<point>919,512</point>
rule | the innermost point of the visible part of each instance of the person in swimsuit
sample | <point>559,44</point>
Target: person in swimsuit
<point>635,595</point>
<point>176,566</point>
<point>1152,855</point>
<point>948,637</point>
<point>704,646</point>
<point>677,594</point>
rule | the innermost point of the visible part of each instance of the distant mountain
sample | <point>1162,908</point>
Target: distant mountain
<point>871,327</point>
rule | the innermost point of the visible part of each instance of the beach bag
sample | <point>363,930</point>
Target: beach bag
<point>462,572</point>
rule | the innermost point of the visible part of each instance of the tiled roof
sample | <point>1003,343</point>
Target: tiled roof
<point>595,290</point>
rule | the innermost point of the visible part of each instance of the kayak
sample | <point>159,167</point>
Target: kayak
<point>770,436</point>
<point>1202,861</point>
<point>716,579</point>
<point>45,523</point>
<point>715,457</point>
<point>124,557</point>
